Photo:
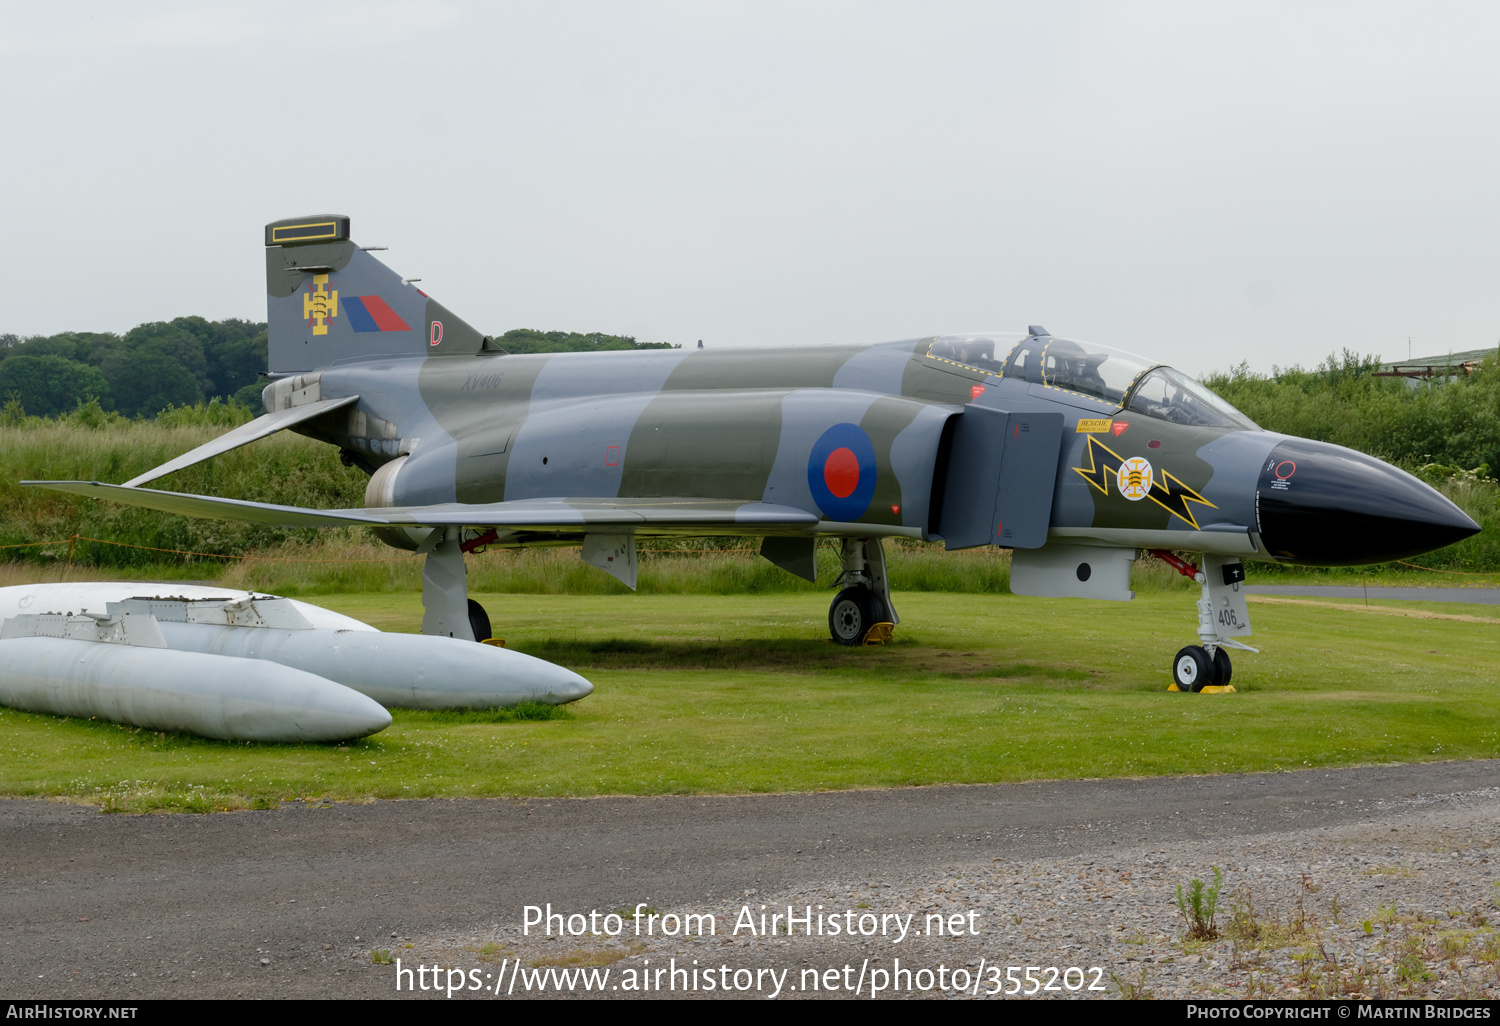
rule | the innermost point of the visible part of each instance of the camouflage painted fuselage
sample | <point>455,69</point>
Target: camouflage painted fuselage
<point>742,426</point>
<point>859,439</point>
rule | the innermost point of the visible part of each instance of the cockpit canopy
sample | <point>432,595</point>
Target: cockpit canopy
<point>1168,394</point>
<point>1112,375</point>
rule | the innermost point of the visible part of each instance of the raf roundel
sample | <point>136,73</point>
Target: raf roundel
<point>841,472</point>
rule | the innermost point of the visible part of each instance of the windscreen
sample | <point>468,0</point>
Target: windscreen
<point>1167,394</point>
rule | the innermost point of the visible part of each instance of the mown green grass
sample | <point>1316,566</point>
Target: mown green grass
<point>718,694</point>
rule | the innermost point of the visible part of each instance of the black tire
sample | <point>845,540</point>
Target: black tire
<point>1192,669</point>
<point>1223,671</point>
<point>851,615</point>
<point>479,621</point>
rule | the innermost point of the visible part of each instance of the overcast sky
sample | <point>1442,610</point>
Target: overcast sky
<point>1200,182</point>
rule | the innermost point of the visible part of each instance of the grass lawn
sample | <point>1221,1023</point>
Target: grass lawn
<point>724,694</point>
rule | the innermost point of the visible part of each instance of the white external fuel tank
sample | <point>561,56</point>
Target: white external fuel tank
<point>242,665</point>
<point>412,671</point>
<point>119,671</point>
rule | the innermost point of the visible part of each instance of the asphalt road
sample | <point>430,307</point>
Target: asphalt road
<point>289,902</point>
<point>1478,596</point>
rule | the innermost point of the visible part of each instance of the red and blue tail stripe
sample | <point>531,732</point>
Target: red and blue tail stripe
<point>371,313</point>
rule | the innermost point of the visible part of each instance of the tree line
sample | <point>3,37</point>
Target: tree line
<point>181,362</point>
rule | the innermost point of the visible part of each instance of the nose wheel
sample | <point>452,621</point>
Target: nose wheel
<point>1222,615</point>
<point>1195,669</point>
<point>1192,670</point>
<point>1223,672</point>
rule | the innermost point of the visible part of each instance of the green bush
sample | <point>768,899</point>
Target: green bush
<point>91,444</point>
<point>1454,423</point>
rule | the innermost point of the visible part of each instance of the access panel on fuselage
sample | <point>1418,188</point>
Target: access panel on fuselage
<point>1002,468</point>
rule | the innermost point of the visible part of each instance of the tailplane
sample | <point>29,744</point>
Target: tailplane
<point>328,300</point>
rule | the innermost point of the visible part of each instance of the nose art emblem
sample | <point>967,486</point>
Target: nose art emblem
<point>1134,478</point>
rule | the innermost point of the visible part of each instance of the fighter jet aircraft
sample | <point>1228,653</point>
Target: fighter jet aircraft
<point>1075,456</point>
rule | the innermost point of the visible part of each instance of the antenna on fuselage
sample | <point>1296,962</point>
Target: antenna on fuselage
<point>1037,329</point>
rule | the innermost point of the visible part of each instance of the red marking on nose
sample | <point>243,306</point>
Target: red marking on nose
<point>1119,427</point>
<point>841,472</point>
<point>976,391</point>
<point>1288,466</point>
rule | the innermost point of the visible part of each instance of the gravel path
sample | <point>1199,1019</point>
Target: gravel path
<point>1080,875</point>
<point>1402,906</point>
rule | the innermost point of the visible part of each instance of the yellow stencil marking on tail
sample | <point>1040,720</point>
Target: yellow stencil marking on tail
<point>319,304</point>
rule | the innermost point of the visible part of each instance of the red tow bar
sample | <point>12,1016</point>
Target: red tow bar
<point>1182,566</point>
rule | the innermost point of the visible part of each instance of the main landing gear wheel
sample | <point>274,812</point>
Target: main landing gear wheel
<point>851,616</point>
<point>1222,670</point>
<point>479,621</point>
<point>1192,669</point>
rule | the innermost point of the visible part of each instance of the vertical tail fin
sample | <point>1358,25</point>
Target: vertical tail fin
<point>327,301</point>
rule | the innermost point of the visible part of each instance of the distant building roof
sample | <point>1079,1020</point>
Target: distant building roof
<point>1448,365</point>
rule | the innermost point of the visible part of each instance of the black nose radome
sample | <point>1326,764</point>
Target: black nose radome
<point>1323,505</point>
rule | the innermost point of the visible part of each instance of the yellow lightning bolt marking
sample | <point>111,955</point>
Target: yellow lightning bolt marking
<point>1181,497</point>
<point>1167,490</point>
<point>1097,475</point>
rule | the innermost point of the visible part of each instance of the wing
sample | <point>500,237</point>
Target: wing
<point>258,428</point>
<point>559,516</point>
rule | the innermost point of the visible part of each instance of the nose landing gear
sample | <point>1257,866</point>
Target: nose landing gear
<point>1222,616</point>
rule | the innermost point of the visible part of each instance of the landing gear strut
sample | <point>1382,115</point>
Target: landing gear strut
<point>1222,616</point>
<point>861,613</point>
<point>445,585</point>
<point>447,610</point>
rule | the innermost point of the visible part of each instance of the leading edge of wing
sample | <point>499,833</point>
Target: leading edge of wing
<point>563,514</point>
<point>208,507</point>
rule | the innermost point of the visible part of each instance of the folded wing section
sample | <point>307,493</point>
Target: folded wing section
<point>258,428</point>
